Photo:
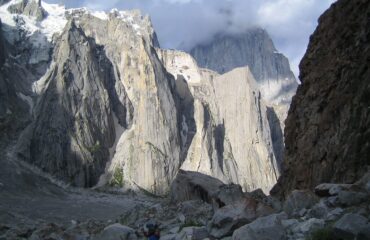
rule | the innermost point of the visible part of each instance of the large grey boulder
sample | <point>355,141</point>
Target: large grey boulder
<point>343,194</point>
<point>305,228</point>
<point>352,226</point>
<point>193,185</point>
<point>299,200</point>
<point>192,233</point>
<point>330,189</point>
<point>116,231</point>
<point>266,228</point>
<point>350,198</point>
<point>231,217</point>
<point>196,211</point>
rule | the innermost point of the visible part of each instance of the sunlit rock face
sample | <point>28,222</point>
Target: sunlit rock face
<point>255,49</point>
<point>229,129</point>
<point>98,102</point>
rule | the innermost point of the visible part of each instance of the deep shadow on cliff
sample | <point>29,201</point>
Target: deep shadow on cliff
<point>327,134</point>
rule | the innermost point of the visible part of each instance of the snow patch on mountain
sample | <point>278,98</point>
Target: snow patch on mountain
<point>56,20</point>
<point>53,23</point>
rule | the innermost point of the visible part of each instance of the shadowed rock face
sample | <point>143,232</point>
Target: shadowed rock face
<point>327,134</point>
<point>14,112</point>
<point>2,46</point>
<point>74,117</point>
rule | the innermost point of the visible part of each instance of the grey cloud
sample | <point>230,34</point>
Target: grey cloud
<point>182,24</point>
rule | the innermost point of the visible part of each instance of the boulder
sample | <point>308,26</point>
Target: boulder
<point>169,237</point>
<point>352,226</point>
<point>228,194</point>
<point>192,233</point>
<point>190,185</point>
<point>47,231</point>
<point>308,226</point>
<point>334,214</point>
<point>260,196</point>
<point>319,210</point>
<point>266,228</point>
<point>231,217</point>
<point>330,189</point>
<point>116,231</point>
<point>196,211</point>
<point>298,200</point>
<point>350,198</point>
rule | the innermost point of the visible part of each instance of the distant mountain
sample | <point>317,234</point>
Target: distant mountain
<point>255,49</point>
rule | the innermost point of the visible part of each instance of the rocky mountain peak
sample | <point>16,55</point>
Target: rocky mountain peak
<point>253,48</point>
<point>31,8</point>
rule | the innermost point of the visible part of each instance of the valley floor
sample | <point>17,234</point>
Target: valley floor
<point>28,199</point>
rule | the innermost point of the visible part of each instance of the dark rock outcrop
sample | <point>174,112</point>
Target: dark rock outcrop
<point>2,46</point>
<point>327,134</point>
<point>14,111</point>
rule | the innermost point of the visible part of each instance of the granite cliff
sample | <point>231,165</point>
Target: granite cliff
<point>218,103</point>
<point>98,103</point>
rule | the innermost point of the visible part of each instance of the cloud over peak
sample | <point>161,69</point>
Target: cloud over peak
<point>182,24</point>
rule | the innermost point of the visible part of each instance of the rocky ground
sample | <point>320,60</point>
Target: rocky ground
<point>204,209</point>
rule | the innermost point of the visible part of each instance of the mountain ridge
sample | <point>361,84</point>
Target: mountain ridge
<point>120,106</point>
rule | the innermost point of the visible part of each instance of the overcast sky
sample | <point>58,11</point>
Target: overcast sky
<point>181,24</point>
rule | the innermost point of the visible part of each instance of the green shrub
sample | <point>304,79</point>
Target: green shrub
<point>95,148</point>
<point>117,179</point>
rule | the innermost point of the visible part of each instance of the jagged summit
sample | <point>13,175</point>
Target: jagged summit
<point>31,8</point>
<point>37,16</point>
<point>253,48</point>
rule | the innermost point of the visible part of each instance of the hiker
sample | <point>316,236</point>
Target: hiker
<point>152,232</point>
